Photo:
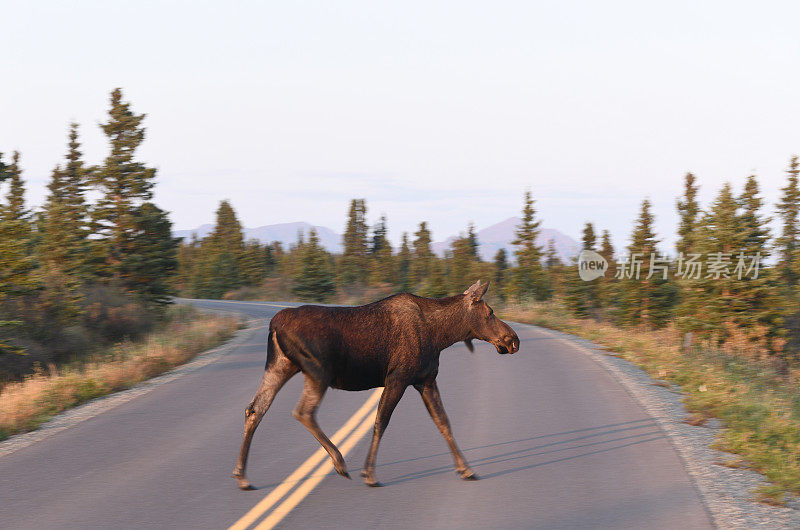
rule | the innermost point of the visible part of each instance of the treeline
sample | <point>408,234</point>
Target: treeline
<point>701,288</point>
<point>79,273</point>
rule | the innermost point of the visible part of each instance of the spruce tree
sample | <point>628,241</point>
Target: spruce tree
<point>254,262</point>
<point>709,300</point>
<point>63,229</point>
<point>404,265</point>
<point>689,212</point>
<point>759,296</point>
<point>353,263</point>
<point>314,279</point>
<point>500,272</point>
<point>788,243</point>
<point>124,184</point>
<point>581,296</point>
<point>435,284</point>
<point>152,259</point>
<point>461,263</point>
<point>605,288</point>
<point>225,246</point>
<point>528,275</point>
<point>422,257</point>
<point>472,239</point>
<point>17,263</point>
<point>555,269</point>
<point>381,261</point>
<point>646,300</point>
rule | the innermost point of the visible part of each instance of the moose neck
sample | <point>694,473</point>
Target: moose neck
<point>448,321</point>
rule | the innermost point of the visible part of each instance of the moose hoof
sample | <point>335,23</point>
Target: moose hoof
<point>243,483</point>
<point>369,480</point>
<point>342,471</point>
<point>469,474</point>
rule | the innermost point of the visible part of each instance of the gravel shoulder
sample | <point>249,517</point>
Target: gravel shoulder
<point>726,491</point>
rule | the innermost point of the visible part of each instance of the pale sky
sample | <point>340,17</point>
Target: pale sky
<point>437,111</point>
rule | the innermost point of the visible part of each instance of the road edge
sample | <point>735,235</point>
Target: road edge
<point>97,406</point>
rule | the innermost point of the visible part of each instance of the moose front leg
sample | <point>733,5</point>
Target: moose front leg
<point>391,395</point>
<point>433,402</point>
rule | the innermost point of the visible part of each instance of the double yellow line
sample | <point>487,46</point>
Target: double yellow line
<point>310,472</point>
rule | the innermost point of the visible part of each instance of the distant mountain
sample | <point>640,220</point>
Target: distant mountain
<point>491,239</point>
<point>286,233</point>
<point>500,235</point>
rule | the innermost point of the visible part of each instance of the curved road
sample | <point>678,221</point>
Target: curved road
<point>557,442</point>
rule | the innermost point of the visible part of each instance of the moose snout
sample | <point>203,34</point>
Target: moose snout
<point>508,344</point>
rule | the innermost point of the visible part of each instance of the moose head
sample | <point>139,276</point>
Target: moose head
<point>484,325</point>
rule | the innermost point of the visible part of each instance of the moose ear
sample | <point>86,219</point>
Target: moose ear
<point>476,291</point>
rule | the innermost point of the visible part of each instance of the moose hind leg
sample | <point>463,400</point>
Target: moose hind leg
<point>306,413</point>
<point>274,378</point>
<point>433,402</point>
<point>390,397</point>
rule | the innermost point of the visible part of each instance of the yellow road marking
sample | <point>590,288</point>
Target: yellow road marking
<point>306,467</point>
<point>311,482</point>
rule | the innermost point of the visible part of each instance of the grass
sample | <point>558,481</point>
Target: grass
<point>758,405</point>
<point>26,404</point>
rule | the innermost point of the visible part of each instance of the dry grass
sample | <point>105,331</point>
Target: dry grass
<point>26,404</point>
<point>759,405</point>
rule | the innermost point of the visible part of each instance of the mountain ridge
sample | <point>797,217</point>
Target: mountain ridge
<point>490,239</point>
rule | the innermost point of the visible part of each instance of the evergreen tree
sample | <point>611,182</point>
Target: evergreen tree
<point>581,295</point>
<point>124,185</point>
<point>472,239</point>
<point>404,266</point>
<point>152,259</point>
<point>605,288</point>
<point>221,256</point>
<point>379,239</point>
<point>528,276</point>
<point>422,257</point>
<point>63,227</point>
<point>227,236</point>
<point>461,262</point>
<point>718,304</point>
<point>689,211</point>
<point>254,262</point>
<point>382,265</point>
<point>16,260</point>
<point>435,284</point>
<point>648,299</point>
<point>314,280</point>
<point>500,271</point>
<point>788,243</point>
<point>759,296</point>
<point>555,270</point>
<point>353,264</point>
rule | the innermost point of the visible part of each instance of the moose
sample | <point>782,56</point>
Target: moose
<point>392,343</point>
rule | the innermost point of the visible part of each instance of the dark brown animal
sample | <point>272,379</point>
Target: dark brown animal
<point>393,343</point>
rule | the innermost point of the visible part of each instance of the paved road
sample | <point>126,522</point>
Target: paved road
<point>557,441</point>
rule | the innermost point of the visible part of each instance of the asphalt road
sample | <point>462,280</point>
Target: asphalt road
<point>557,442</point>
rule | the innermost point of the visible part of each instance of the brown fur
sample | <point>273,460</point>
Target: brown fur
<point>393,343</point>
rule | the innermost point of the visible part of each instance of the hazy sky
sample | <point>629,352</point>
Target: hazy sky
<point>443,111</point>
